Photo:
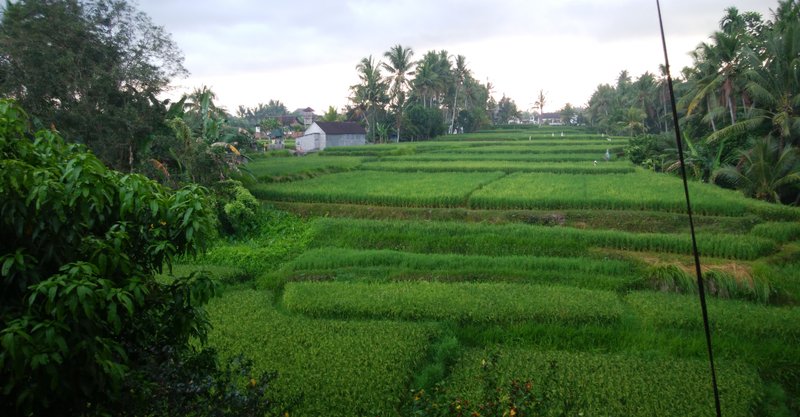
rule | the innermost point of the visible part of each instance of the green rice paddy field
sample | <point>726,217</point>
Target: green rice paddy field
<point>509,270</point>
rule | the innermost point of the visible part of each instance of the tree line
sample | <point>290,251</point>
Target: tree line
<point>739,107</point>
<point>420,99</point>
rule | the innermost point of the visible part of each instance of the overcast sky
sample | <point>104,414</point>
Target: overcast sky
<point>304,52</point>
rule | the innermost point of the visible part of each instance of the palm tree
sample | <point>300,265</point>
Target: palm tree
<point>540,102</point>
<point>634,120</point>
<point>371,92</point>
<point>764,170</point>
<point>773,83</point>
<point>399,67</point>
<point>460,74</point>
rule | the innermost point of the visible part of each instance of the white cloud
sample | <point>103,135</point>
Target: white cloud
<point>305,53</point>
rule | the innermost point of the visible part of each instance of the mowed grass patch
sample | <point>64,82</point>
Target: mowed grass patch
<point>520,239</point>
<point>334,368</point>
<point>602,385</point>
<point>586,167</point>
<point>640,191</point>
<point>381,188</point>
<point>460,302</point>
<point>387,265</point>
<point>283,168</point>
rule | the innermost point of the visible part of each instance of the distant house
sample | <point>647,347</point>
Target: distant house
<point>323,135</point>
<point>553,119</point>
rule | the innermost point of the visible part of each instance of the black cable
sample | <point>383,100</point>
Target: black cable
<point>700,285</point>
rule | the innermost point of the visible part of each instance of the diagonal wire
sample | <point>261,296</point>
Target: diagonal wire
<point>700,285</point>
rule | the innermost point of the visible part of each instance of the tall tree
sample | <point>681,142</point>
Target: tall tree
<point>91,69</point>
<point>399,66</point>
<point>541,100</point>
<point>460,75</point>
<point>371,92</point>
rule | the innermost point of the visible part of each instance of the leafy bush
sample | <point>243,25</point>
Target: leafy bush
<point>238,211</point>
<point>83,315</point>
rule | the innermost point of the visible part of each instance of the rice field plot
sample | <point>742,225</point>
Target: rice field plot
<point>640,191</point>
<point>335,368</point>
<point>525,148</point>
<point>278,168</point>
<point>386,265</point>
<point>601,384</point>
<point>446,189</point>
<point>459,302</point>
<point>520,135</point>
<point>727,317</point>
<point>447,157</point>
<point>520,239</point>
<point>586,167</point>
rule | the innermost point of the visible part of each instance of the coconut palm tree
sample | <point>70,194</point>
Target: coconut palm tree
<point>773,83</point>
<point>371,92</point>
<point>460,74</point>
<point>541,100</point>
<point>764,170</point>
<point>399,66</point>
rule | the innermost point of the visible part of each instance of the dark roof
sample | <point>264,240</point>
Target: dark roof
<point>551,115</point>
<point>341,128</point>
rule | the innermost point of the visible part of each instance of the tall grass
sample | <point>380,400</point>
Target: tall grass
<point>718,283</point>
<point>517,239</point>
<point>278,169</point>
<point>381,188</point>
<point>388,265</point>
<point>334,368</point>
<point>729,317</point>
<point>462,302</point>
<point>640,191</point>
<point>567,383</point>
<point>586,167</point>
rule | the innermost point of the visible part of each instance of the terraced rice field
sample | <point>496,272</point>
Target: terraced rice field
<point>479,270</point>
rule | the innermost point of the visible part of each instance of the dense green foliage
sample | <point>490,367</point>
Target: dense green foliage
<point>92,70</point>
<point>82,314</point>
<point>738,104</point>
